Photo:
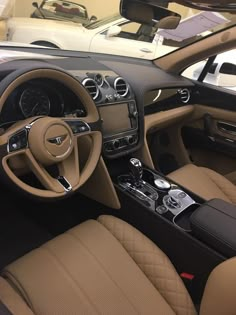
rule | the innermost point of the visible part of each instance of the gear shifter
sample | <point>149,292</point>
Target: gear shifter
<point>136,169</point>
<point>135,185</point>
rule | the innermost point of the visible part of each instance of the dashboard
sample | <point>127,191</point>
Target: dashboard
<point>116,104</point>
<point>121,96</point>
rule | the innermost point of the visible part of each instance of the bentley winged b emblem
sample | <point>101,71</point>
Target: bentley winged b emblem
<point>57,140</point>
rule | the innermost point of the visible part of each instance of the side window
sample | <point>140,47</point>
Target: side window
<point>222,72</point>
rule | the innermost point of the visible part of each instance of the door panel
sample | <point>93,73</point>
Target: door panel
<point>210,137</point>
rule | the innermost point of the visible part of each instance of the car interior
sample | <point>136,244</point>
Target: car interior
<point>118,179</point>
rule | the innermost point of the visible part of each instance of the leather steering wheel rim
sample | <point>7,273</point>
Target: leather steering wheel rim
<point>50,140</point>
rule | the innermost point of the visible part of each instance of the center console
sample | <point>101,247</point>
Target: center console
<point>162,210</point>
<point>213,222</point>
<point>157,194</point>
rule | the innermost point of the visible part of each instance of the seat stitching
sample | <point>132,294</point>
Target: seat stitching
<point>103,268</point>
<point>132,256</point>
<point>138,264</point>
<point>58,261</point>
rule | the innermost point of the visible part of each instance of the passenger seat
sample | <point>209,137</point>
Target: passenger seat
<point>204,182</point>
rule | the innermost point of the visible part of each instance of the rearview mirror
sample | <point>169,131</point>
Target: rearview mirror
<point>150,14</point>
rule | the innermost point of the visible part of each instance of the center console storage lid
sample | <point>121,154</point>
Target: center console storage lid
<point>215,224</point>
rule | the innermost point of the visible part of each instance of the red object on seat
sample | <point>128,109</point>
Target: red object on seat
<point>186,275</point>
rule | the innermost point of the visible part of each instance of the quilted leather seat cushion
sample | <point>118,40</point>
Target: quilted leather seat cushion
<point>205,183</point>
<point>153,262</point>
<point>99,267</point>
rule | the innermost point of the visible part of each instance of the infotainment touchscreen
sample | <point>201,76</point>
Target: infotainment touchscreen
<point>115,118</point>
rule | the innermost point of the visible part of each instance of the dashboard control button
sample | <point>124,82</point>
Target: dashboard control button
<point>131,139</point>
<point>182,195</point>
<point>134,114</point>
<point>18,141</point>
<point>116,144</point>
<point>78,126</point>
<point>132,108</point>
<point>161,209</point>
<point>161,183</point>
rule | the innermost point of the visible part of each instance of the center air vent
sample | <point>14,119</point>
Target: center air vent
<point>184,95</point>
<point>91,87</point>
<point>121,86</point>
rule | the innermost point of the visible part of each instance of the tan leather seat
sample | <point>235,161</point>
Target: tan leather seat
<point>204,182</point>
<point>106,267</point>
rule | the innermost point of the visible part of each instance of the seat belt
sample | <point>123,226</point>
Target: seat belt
<point>4,310</point>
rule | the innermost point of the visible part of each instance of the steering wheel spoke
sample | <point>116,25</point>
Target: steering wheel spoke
<point>80,127</point>
<point>42,175</point>
<point>69,169</point>
<point>18,141</point>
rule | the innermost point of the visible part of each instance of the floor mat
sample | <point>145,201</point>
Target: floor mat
<point>18,234</point>
<point>26,223</point>
<point>58,217</point>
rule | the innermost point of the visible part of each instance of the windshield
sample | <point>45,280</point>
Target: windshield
<point>96,26</point>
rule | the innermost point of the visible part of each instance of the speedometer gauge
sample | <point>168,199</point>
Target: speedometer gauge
<point>34,101</point>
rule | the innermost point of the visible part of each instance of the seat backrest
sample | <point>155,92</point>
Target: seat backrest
<point>219,293</point>
<point>145,33</point>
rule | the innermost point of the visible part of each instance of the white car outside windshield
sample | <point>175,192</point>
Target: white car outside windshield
<point>111,33</point>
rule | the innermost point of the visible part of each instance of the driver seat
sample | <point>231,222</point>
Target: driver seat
<point>107,267</point>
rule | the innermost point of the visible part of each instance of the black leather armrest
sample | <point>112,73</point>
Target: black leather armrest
<point>215,224</point>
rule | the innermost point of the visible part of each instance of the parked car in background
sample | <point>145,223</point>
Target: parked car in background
<point>222,71</point>
<point>62,10</point>
<point>113,34</point>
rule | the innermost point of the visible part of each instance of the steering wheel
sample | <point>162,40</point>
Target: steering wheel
<point>42,141</point>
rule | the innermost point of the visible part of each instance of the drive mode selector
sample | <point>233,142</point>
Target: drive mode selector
<point>162,184</point>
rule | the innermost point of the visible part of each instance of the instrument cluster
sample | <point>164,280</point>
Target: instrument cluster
<point>40,97</point>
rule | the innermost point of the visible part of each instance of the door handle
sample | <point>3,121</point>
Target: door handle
<point>209,126</point>
<point>227,127</point>
<point>146,50</point>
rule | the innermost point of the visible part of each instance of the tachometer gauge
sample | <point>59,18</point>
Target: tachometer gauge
<point>34,101</point>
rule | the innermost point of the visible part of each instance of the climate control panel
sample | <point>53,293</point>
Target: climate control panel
<point>117,144</point>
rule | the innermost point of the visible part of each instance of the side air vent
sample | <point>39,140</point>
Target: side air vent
<point>121,86</point>
<point>184,95</point>
<point>91,87</point>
